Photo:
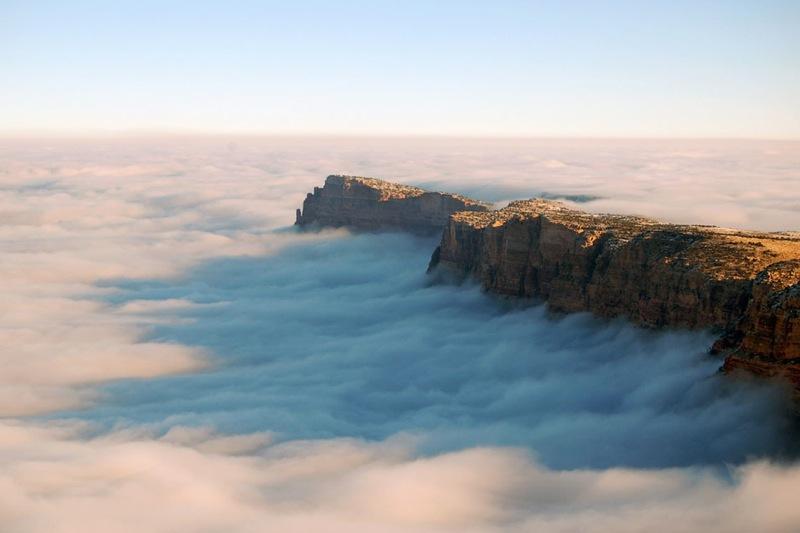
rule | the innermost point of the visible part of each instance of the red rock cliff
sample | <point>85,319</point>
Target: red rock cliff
<point>372,204</point>
<point>743,284</point>
<point>746,285</point>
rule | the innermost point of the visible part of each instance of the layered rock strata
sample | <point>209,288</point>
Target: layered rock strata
<point>744,284</point>
<point>372,204</point>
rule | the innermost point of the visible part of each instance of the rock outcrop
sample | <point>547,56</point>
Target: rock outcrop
<point>372,204</point>
<point>746,285</point>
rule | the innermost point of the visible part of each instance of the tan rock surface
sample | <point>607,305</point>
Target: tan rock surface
<point>743,284</point>
<point>372,204</point>
<point>746,285</point>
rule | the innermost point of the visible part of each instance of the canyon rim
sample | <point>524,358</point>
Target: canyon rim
<point>744,285</point>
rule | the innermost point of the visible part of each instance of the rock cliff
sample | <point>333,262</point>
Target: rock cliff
<point>372,204</point>
<point>746,285</point>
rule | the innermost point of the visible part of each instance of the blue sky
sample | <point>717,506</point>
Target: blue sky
<point>509,68</point>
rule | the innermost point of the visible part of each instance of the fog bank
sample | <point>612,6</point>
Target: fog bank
<point>170,345</point>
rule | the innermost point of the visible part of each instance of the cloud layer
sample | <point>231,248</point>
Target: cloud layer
<point>346,336</point>
<point>62,481</point>
<point>187,354</point>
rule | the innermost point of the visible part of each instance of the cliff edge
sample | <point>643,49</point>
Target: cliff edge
<point>373,204</point>
<point>746,285</point>
<point>743,284</point>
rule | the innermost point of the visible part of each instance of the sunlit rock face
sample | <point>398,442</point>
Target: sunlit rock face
<point>767,339</point>
<point>372,204</point>
<point>745,284</point>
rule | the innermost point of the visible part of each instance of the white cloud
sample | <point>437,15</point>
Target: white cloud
<point>271,341</point>
<point>199,481</point>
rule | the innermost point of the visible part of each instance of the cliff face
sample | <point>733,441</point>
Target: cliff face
<point>766,341</point>
<point>744,284</point>
<point>372,204</point>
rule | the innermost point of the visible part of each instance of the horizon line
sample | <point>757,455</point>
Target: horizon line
<point>100,134</point>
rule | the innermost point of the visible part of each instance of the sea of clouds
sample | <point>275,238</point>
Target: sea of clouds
<point>175,357</point>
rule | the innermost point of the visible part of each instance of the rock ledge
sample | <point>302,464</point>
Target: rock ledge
<point>373,204</point>
<point>745,285</point>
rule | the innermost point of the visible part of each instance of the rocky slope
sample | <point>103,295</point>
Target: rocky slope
<point>744,284</point>
<point>372,204</point>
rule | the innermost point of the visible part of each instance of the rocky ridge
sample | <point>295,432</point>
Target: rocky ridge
<point>373,204</point>
<point>745,285</point>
